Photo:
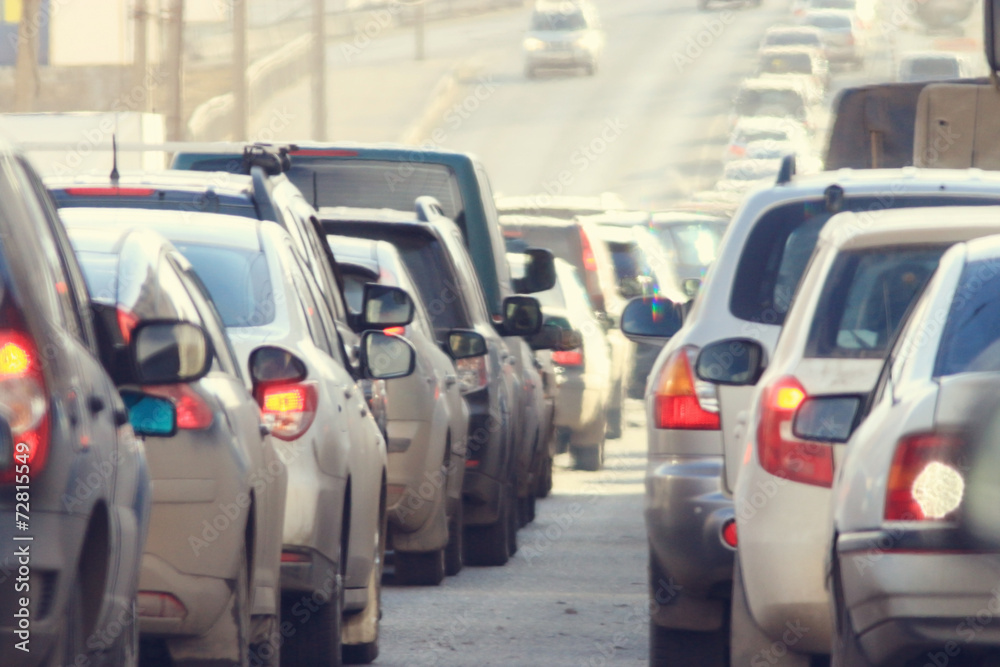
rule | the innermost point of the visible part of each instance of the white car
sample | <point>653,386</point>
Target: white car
<point>775,97</point>
<point>563,35</point>
<point>866,270</point>
<point>841,33</point>
<point>907,586</point>
<point>755,129</point>
<point>796,61</point>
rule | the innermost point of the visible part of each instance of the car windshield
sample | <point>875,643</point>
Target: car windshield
<point>558,21</point>
<point>865,297</point>
<point>786,63</point>
<point>971,338</point>
<point>239,282</point>
<point>769,102</point>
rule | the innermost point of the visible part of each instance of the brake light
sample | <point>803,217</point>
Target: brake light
<point>589,261</point>
<point>127,321</point>
<point>568,358</point>
<point>25,402</point>
<point>394,331</point>
<point>473,374</point>
<point>729,536</point>
<point>737,150</point>
<point>780,452</point>
<point>193,413</point>
<point>288,410</point>
<point>681,401</point>
<point>110,191</point>
<point>925,481</point>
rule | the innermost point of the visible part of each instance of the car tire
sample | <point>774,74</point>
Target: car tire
<point>588,457</point>
<point>454,557</point>
<point>420,569</point>
<point>366,622</point>
<point>316,639</point>
<point>846,650</point>
<point>514,518</point>
<point>544,487</point>
<point>526,509</point>
<point>747,642</point>
<point>669,647</point>
<point>490,545</point>
<point>614,428</point>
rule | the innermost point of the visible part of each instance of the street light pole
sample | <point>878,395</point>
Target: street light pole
<point>26,65</point>
<point>140,55</point>
<point>175,61</point>
<point>319,71</point>
<point>241,103</point>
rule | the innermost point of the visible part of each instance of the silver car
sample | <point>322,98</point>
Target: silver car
<point>563,35</point>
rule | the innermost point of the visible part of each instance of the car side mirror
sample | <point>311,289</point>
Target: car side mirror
<point>522,316</point>
<point>991,33</point>
<point>691,286</point>
<point>735,361</point>
<point>386,357</point>
<point>169,352</point>
<point>650,320</point>
<point>386,306</point>
<point>464,344</point>
<point>150,415</point>
<point>274,364</point>
<point>827,418</point>
<point>539,272</point>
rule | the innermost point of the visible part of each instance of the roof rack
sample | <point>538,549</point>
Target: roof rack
<point>787,170</point>
<point>427,208</point>
<point>273,159</point>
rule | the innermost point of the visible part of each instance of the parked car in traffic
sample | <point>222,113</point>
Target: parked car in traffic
<point>795,61</point>
<point>428,422</point>
<point>843,38</point>
<point>209,587</point>
<point>563,35</point>
<point>695,429</point>
<point>74,493</point>
<point>931,66</point>
<point>559,206</point>
<point>908,475</point>
<point>762,128</point>
<point>775,97</point>
<point>864,274</point>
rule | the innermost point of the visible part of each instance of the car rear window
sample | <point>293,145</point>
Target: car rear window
<point>561,20</point>
<point>377,184</point>
<point>695,244</point>
<point>239,282</point>
<point>787,63</point>
<point>782,241</point>
<point>830,22</point>
<point>971,338</point>
<point>562,240</point>
<point>933,67</point>
<point>792,39</point>
<point>865,297</point>
<point>769,102</point>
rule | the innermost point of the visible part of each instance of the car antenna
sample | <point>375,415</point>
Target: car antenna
<point>315,192</point>
<point>114,160</point>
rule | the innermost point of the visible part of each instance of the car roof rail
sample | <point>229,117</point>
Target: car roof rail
<point>262,194</point>
<point>427,208</point>
<point>787,170</point>
<point>272,158</point>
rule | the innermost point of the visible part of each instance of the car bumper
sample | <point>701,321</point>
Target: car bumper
<point>481,495</point>
<point>578,404</point>
<point>905,604</point>
<point>559,58</point>
<point>204,599</point>
<point>685,510</point>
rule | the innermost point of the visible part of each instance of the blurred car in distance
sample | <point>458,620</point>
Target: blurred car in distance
<point>790,35</point>
<point>558,206</point>
<point>756,129</point>
<point>932,66</point>
<point>795,60</point>
<point>842,36</point>
<point>563,35</point>
<point>775,97</point>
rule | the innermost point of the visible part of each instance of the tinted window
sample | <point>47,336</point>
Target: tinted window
<point>428,266</point>
<point>932,68</point>
<point>792,39</point>
<point>971,338</point>
<point>864,300</point>
<point>782,240</point>
<point>569,20</point>
<point>238,280</point>
<point>787,63</point>
<point>769,102</point>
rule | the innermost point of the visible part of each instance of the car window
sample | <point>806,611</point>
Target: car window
<point>210,317</point>
<point>865,298</point>
<point>769,102</point>
<point>970,341</point>
<point>438,287</point>
<point>307,302</point>
<point>786,63</point>
<point>238,280</point>
<point>559,20</point>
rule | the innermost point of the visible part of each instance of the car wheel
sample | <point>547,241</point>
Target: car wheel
<point>316,636</point>
<point>513,517</point>
<point>747,642</point>
<point>846,650</point>
<point>544,487</point>
<point>588,457</point>
<point>364,625</point>
<point>679,648</point>
<point>420,569</point>
<point>614,428</point>
<point>453,556</point>
<point>490,545</point>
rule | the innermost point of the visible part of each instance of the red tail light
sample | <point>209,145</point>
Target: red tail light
<point>729,536</point>
<point>681,402</point>
<point>288,410</point>
<point>737,150</point>
<point>925,481</point>
<point>110,191</point>
<point>589,261</point>
<point>780,452</point>
<point>568,358</point>
<point>394,331</point>
<point>127,321</point>
<point>193,413</point>
<point>25,400</point>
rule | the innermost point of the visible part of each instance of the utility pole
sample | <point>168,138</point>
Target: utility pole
<point>175,76</point>
<point>241,102</point>
<point>319,71</point>
<point>140,55</point>
<point>419,30</point>
<point>26,65</point>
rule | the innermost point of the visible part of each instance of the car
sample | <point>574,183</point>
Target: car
<point>865,272</point>
<point>283,333</point>
<point>790,35</point>
<point>77,491</point>
<point>559,206</point>
<point>795,60</point>
<point>775,97</point>
<point>932,66</point>
<point>577,241</point>
<point>428,422</point>
<point>866,10</point>
<point>891,540</point>
<point>583,367</point>
<point>209,586</point>
<point>805,163</point>
<point>763,128</point>
<point>433,249</point>
<point>843,38</point>
<point>563,35</point>
<point>749,173</point>
<point>694,428</point>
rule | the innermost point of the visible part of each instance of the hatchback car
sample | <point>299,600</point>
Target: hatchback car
<point>843,38</point>
<point>210,567</point>
<point>563,35</point>
<point>775,97</point>
<point>865,272</point>
<point>696,424</point>
<point>907,583</point>
<point>74,493</point>
<point>757,128</point>
<point>428,423</point>
<point>795,60</point>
